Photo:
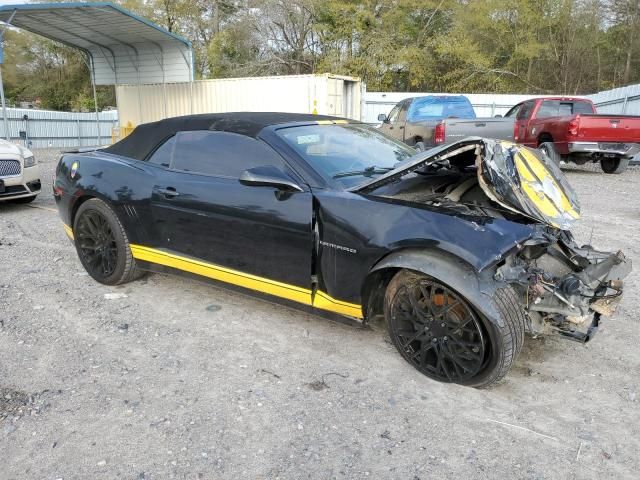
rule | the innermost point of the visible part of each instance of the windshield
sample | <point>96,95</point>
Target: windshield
<point>348,154</point>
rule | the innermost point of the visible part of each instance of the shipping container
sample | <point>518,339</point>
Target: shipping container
<point>324,94</point>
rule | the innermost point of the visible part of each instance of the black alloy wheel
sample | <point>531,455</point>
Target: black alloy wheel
<point>102,244</point>
<point>96,244</point>
<point>437,332</point>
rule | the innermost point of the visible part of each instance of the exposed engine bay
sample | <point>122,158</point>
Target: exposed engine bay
<point>564,288</point>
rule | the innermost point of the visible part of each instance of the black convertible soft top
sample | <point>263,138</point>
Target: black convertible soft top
<point>146,137</point>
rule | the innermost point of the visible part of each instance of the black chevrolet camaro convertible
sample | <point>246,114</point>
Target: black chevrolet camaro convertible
<point>459,250</point>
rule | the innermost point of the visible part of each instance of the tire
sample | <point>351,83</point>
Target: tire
<point>549,149</point>
<point>420,147</point>
<point>24,200</point>
<point>614,165</point>
<point>465,347</point>
<point>102,244</point>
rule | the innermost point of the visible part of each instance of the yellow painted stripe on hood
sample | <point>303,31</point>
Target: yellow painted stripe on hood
<point>245,280</point>
<point>68,230</point>
<point>541,201</point>
<point>541,172</point>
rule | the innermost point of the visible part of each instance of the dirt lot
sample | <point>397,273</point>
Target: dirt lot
<point>178,379</point>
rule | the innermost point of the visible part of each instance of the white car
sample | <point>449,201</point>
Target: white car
<point>19,173</point>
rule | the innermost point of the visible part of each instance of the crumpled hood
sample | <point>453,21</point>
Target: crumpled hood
<point>525,180</point>
<point>516,177</point>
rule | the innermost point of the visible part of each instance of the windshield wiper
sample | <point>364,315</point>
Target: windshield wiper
<point>367,172</point>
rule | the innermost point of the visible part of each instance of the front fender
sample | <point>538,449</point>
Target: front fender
<point>477,287</point>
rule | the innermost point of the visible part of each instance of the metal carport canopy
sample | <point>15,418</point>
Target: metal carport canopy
<point>122,47</point>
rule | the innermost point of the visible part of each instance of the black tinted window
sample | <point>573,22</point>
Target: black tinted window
<point>393,115</point>
<point>581,107</point>
<point>162,155</point>
<point>550,108</point>
<point>513,111</point>
<point>555,108</point>
<point>221,153</point>
<point>525,110</point>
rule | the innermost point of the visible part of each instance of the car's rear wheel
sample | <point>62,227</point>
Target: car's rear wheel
<point>102,244</point>
<point>614,165</point>
<point>438,332</point>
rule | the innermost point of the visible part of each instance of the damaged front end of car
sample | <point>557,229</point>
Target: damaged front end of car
<point>564,288</point>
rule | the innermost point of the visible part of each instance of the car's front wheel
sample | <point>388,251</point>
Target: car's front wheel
<point>102,244</point>
<point>438,332</point>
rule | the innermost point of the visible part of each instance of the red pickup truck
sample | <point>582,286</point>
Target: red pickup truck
<point>569,129</point>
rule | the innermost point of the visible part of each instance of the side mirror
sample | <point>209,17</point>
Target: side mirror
<point>497,116</point>
<point>382,118</point>
<point>268,176</point>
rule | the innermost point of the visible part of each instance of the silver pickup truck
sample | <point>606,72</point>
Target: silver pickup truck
<point>434,120</point>
<point>453,129</point>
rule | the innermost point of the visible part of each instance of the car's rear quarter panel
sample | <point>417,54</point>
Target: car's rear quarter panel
<point>125,184</point>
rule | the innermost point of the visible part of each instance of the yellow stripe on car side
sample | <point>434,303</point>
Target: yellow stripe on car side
<point>68,230</point>
<point>325,302</point>
<point>290,292</point>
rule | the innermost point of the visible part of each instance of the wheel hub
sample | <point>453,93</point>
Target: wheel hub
<point>437,331</point>
<point>96,243</point>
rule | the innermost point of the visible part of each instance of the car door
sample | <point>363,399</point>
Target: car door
<point>522,121</point>
<point>203,211</point>
<point>391,126</point>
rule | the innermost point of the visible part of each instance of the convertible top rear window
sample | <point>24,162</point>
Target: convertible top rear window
<point>163,155</point>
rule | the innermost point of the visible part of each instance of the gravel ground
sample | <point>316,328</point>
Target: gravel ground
<point>178,379</point>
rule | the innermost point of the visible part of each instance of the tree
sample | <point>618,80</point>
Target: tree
<point>532,46</point>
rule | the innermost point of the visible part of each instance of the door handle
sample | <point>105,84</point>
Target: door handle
<point>168,192</point>
<point>481,124</point>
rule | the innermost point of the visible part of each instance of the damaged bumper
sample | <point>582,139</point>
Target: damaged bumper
<point>566,289</point>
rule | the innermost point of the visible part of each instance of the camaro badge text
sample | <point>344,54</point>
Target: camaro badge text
<point>338,247</point>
